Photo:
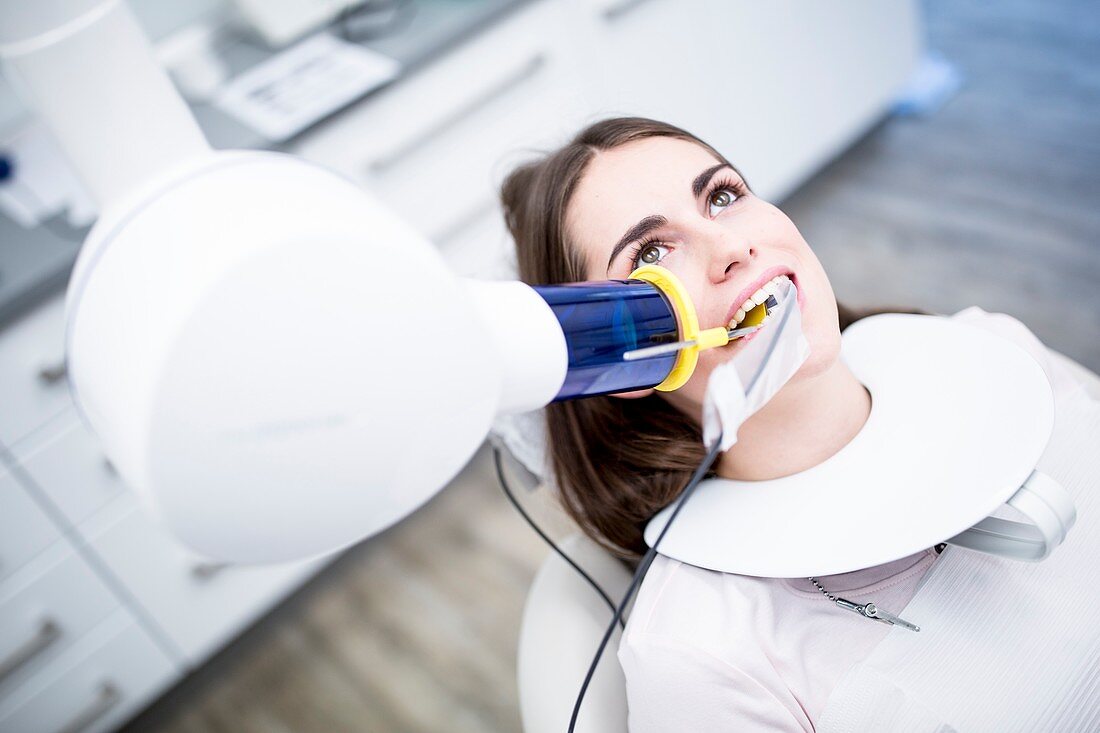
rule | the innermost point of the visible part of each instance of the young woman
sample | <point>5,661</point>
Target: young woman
<point>703,650</point>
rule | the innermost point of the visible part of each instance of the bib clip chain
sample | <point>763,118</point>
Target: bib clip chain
<point>867,610</point>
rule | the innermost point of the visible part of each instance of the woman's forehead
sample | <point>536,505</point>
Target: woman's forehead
<point>652,164</point>
<point>647,177</point>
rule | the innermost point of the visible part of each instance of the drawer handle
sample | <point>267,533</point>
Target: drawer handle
<point>464,222</point>
<point>621,9</point>
<point>48,632</point>
<point>107,696</point>
<point>207,570</point>
<point>52,374</point>
<point>388,161</point>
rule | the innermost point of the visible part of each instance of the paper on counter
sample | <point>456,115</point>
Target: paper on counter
<point>294,89</point>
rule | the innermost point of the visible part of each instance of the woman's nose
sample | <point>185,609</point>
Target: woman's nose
<point>731,253</point>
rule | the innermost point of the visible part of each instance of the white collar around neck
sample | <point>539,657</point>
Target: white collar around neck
<point>959,418</point>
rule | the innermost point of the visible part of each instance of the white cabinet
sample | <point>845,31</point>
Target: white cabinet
<point>25,529</point>
<point>434,147</point>
<point>32,371</point>
<point>110,674</point>
<point>778,87</point>
<point>198,604</point>
<point>480,246</point>
<point>649,54</point>
<point>65,461</point>
<point>46,607</point>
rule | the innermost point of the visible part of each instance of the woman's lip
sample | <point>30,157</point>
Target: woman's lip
<point>752,288</point>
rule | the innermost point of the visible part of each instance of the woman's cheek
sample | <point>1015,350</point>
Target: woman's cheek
<point>822,331</point>
<point>824,351</point>
<point>820,320</point>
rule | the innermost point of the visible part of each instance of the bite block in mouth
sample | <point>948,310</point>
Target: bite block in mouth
<point>757,315</point>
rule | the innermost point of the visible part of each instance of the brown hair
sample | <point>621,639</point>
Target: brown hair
<point>616,462</point>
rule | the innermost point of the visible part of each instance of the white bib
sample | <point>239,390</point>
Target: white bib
<point>1004,646</point>
<point>959,419</point>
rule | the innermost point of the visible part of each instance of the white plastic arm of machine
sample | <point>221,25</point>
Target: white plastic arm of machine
<point>275,362</point>
<point>1043,501</point>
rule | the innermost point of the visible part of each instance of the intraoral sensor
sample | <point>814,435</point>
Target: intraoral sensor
<point>733,334</point>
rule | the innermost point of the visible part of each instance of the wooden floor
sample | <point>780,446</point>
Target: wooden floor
<point>994,201</point>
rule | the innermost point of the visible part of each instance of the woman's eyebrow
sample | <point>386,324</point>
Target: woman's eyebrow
<point>648,224</point>
<point>639,230</point>
<point>703,178</point>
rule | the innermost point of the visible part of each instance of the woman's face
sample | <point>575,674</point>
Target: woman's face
<point>670,202</point>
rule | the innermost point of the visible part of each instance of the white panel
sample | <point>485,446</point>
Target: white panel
<point>778,87</point>
<point>479,245</point>
<point>98,684</point>
<point>25,530</point>
<point>32,354</point>
<point>199,605</point>
<point>65,461</point>
<point>45,607</point>
<point>432,146</point>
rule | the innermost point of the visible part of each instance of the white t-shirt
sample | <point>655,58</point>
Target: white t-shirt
<point>710,651</point>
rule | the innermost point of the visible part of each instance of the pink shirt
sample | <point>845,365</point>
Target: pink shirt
<point>710,651</point>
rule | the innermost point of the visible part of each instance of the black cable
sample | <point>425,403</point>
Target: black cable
<point>643,566</point>
<point>647,560</point>
<point>511,497</point>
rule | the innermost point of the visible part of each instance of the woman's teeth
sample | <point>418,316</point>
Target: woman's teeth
<point>756,301</point>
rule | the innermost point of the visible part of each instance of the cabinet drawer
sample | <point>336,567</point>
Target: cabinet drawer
<point>480,246</point>
<point>25,530</point>
<point>96,685</point>
<point>65,461</point>
<point>199,605</point>
<point>33,387</point>
<point>50,603</point>
<point>431,145</point>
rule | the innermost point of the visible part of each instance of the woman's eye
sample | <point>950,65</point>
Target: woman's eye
<point>720,199</point>
<point>650,254</point>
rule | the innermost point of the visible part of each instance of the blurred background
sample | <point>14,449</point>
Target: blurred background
<point>935,154</point>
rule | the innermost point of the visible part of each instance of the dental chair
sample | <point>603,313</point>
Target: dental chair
<point>563,623</point>
<point>564,620</point>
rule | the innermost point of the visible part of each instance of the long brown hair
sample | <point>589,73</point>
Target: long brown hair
<point>616,462</point>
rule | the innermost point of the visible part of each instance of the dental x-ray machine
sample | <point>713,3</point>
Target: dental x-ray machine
<point>256,340</point>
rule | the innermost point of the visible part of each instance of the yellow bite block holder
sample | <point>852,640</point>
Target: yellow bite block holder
<point>688,321</point>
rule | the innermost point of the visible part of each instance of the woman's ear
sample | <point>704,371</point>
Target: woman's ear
<point>635,394</point>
